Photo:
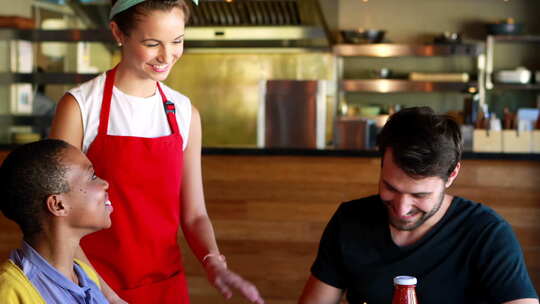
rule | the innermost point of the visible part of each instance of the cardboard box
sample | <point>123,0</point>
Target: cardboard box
<point>536,141</point>
<point>516,142</point>
<point>21,56</point>
<point>487,141</point>
<point>22,98</point>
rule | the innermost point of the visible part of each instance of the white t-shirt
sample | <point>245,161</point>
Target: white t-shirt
<point>130,115</point>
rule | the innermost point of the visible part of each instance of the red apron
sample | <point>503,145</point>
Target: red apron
<point>139,256</point>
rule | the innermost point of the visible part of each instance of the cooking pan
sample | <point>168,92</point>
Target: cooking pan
<point>505,27</point>
<point>363,36</point>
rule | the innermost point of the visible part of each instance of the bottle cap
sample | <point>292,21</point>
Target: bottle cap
<point>405,280</point>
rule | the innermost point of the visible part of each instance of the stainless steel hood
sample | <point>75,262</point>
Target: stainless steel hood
<point>239,23</point>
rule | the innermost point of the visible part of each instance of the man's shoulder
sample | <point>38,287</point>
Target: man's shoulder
<point>364,203</point>
<point>473,218</point>
<point>475,211</point>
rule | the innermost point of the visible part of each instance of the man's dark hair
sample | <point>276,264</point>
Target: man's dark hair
<point>28,175</point>
<point>424,144</point>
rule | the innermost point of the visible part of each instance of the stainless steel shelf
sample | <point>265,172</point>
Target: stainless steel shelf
<point>71,35</point>
<point>223,36</point>
<point>45,78</point>
<point>516,38</point>
<point>400,50</point>
<point>398,85</point>
<point>508,86</point>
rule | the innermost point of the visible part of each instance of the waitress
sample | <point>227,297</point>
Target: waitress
<point>145,139</point>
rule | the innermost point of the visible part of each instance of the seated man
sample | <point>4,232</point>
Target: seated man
<point>50,190</point>
<point>460,251</point>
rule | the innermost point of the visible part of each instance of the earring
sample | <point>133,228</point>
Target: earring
<point>119,44</point>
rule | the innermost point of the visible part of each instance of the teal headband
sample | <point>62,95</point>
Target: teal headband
<point>122,5</point>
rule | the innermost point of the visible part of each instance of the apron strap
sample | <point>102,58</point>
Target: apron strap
<point>170,110</point>
<point>106,102</point>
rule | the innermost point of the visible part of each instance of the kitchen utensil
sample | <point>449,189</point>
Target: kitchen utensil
<point>382,73</point>
<point>17,22</point>
<point>290,114</point>
<point>447,38</point>
<point>505,27</point>
<point>369,111</point>
<point>519,75</point>
<point>363,36</point>
<point>354,133</point>
<point>24,138</point>
<point>439,77</point>
<point>526,118</point>
<point>509,119</point>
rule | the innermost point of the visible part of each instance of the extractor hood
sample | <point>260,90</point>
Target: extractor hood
<point>240,23</point>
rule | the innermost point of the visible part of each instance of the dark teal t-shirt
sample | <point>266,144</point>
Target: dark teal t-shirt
<point>470,256</point>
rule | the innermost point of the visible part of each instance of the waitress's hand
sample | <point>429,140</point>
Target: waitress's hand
<point>225,281</point>
<point>116,300</point>
<point>110,295</point>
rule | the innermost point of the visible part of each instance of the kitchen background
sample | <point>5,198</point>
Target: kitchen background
<point>269,208</point>
<point>225,81</point>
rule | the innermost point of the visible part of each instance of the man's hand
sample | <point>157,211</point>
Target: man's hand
<point>225,281</point>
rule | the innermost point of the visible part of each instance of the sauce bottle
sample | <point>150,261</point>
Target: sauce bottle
<point>404,290</point>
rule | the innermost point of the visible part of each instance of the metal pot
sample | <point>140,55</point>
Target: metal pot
<point>363,36</point>
<point>505,27</point>
<point>447,37</point>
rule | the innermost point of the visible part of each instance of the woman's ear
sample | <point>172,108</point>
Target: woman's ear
<point>117,33</point>
<point>56,205</point>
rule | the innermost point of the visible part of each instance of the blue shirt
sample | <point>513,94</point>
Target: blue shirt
<point>53,286</point>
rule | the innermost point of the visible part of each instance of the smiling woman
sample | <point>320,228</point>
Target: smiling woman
<point>150,52</point>
<point>145,139</point>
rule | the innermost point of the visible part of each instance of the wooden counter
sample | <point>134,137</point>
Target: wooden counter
<point>269,212</point>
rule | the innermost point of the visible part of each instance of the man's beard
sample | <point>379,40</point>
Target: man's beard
<point>409,226</point>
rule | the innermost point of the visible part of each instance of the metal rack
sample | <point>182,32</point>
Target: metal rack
<point>490,58</point>
<point>399,85</point>
<point>45,78</point>
<point>401,50</point>
<point>387,50</point>
<point>290,39</point>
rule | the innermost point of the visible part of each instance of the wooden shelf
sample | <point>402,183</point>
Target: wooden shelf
<point>399,85</point>
<point>401,50</point>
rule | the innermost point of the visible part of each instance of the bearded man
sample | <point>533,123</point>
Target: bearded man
<point>460,251</point>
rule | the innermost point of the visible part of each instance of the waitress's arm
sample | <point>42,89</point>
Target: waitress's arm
<point>196,224</point>
<point>67,125</point>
